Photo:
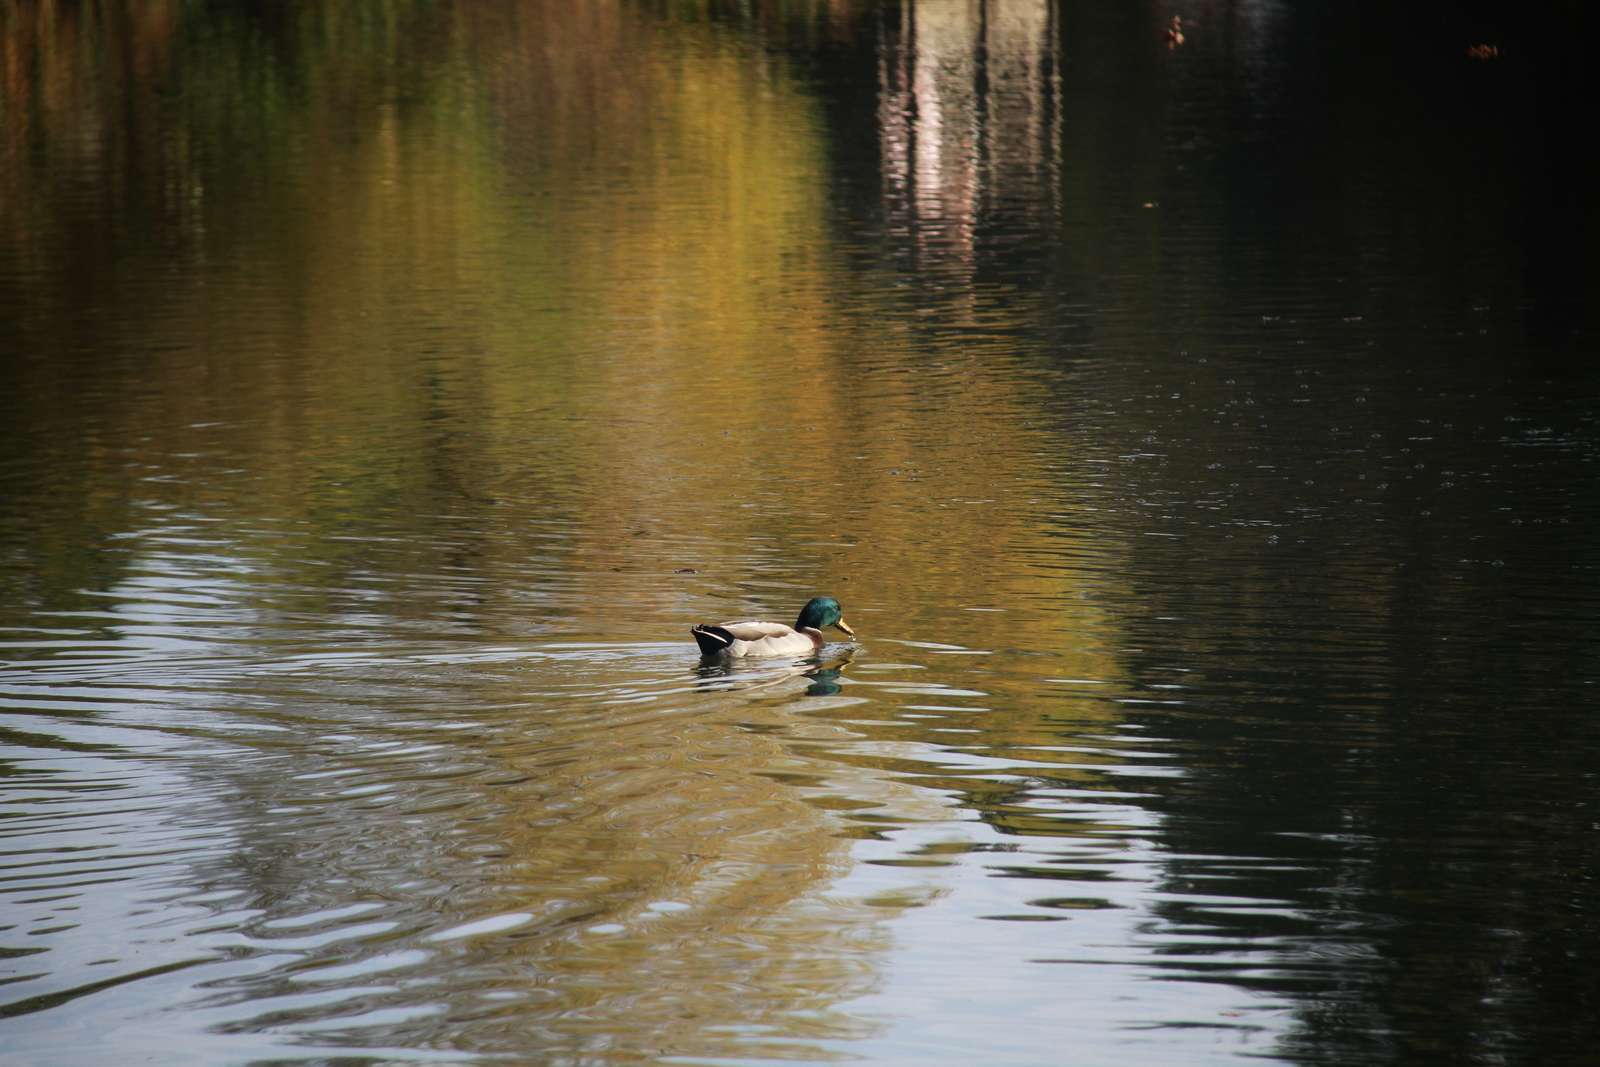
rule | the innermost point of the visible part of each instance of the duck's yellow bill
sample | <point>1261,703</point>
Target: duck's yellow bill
<point>840,624</point>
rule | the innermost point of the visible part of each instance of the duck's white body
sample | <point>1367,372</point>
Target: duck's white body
<point>753,638</point>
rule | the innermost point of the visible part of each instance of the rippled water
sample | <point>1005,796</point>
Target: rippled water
<point>1201,438</point>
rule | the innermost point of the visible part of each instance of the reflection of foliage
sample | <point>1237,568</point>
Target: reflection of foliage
<point>167,103</point>
<point>398,258</point>
<point>522,293</point>
<point>145,147</point>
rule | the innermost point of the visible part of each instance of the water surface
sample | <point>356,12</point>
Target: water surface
<point>1201,438</point>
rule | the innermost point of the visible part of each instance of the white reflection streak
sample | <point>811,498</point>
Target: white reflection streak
<point>969,110</point>
<point>894,114</point>
<point>944,86</point>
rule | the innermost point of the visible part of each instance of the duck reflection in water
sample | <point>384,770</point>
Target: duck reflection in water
<point>823,679</point>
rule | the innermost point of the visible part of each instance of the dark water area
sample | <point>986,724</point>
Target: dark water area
<point>1198,424</point>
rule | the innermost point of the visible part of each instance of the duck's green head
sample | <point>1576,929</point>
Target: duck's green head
<point>820,613</point>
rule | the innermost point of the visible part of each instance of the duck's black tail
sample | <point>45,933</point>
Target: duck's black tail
<point>711,639</point>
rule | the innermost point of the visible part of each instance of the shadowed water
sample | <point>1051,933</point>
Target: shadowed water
<point>1201,437</point>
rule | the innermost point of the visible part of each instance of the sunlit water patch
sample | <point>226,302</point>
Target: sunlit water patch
<point>386,396</point>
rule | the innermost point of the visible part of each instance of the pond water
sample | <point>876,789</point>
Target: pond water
<point>1201,437</point>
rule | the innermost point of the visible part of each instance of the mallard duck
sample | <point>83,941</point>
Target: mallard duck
<point>738,639</point>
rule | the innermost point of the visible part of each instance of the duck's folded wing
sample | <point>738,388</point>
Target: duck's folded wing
<point>755,631</point>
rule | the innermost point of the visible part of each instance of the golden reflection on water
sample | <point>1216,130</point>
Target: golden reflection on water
<point>699,879</point>
<point>390,386</point>
<point>600,867</point>
<point>464,299</point>
<point>554,337</point>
